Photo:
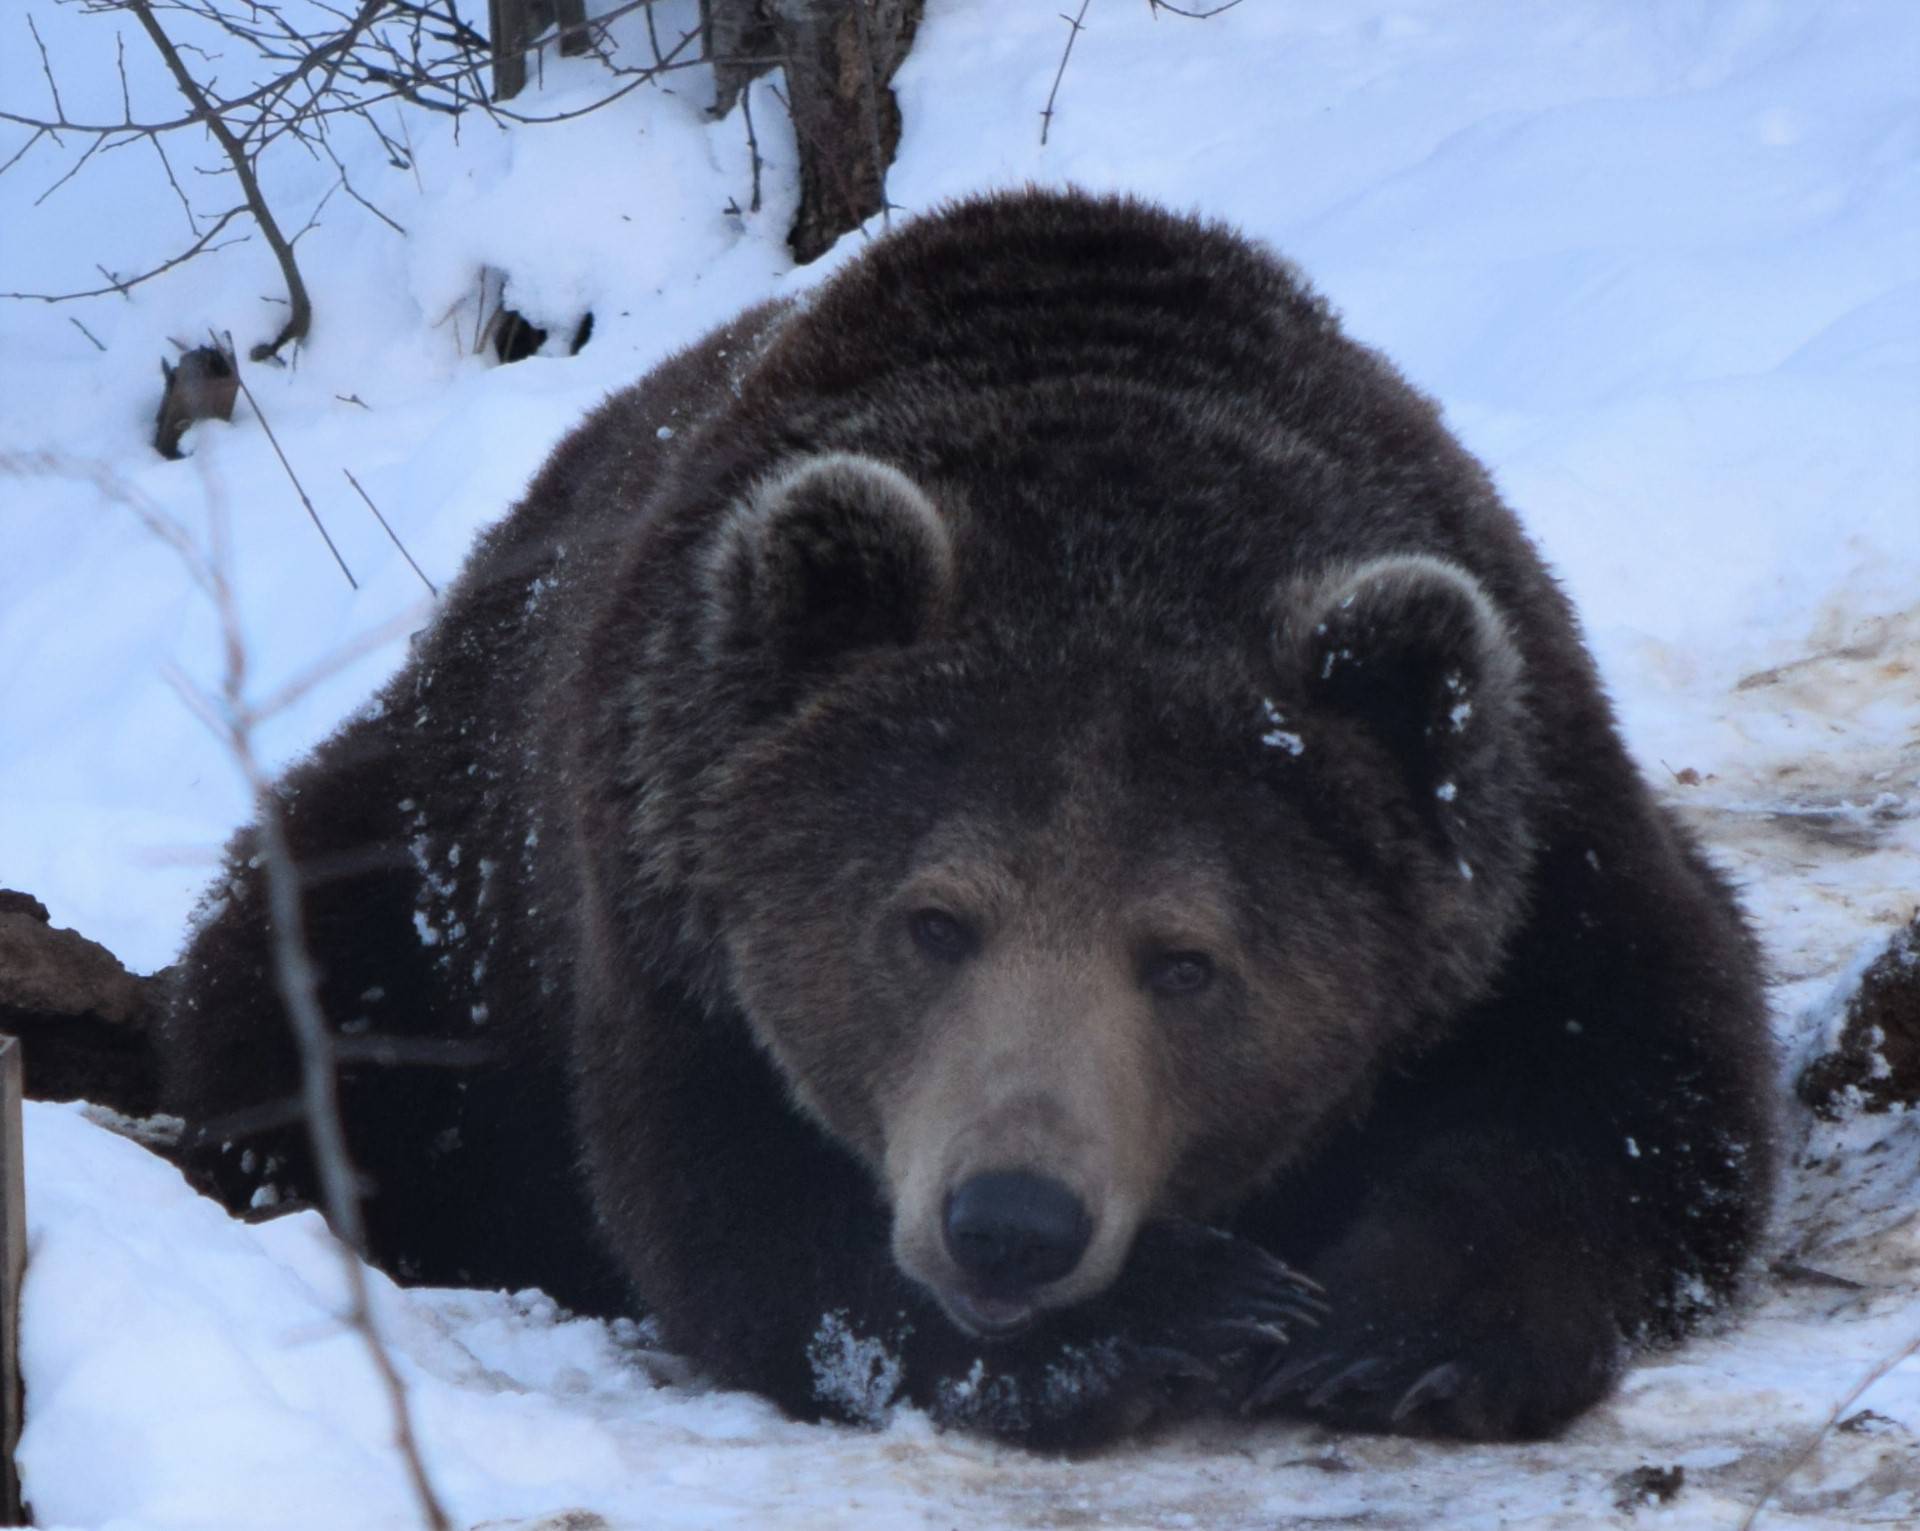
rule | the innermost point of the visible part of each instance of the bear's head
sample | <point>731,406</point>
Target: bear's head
<point>1059,936</point>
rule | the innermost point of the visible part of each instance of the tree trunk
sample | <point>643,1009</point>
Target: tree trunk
<point>839,56</point>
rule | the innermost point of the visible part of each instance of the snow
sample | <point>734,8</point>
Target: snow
<point>1278,736</point>
<point>1660,262</point>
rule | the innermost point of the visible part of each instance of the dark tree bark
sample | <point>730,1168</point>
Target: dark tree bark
<point>513,25</point>
<point>839,56</point>
<point>299,306</point>
<point>202,387</point>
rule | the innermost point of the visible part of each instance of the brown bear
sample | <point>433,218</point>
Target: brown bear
<point>974,823</point>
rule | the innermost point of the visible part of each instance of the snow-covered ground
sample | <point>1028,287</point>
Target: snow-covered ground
<point>1661,262</point>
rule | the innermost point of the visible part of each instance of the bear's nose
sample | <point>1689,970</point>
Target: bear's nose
<point>1011,1231</point>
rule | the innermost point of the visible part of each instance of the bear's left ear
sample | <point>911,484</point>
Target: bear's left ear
<point>1411,648</point>
<point>837,553</point>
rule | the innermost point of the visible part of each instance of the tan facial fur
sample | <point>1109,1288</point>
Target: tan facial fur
<point>1037,1060</point>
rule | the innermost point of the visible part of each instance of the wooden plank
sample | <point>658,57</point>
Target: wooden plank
<point>13,1265</point>
<point>510,26</point>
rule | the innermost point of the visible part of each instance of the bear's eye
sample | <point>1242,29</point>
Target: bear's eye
<point>940,934</point>
<point>1179,973</point>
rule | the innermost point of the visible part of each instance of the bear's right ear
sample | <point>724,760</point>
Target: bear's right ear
<point>836,554</point>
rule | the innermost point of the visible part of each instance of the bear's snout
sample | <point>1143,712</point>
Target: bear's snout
<point>1012,1232</point>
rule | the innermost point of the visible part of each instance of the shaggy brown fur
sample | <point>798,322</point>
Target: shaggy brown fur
<point>944,790</point>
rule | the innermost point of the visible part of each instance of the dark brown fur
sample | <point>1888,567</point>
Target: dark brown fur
<point>1059,567</point>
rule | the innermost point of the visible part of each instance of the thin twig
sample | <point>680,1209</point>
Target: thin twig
<point>431,586</point>
<point>293,477</point>
<point>122,285</point>
<point>300,318</point>
<point>104,141</point>
<point>21,153</point>
<point>46,68</point>
<point>232,719</point>
<point>1076,24</point>
<point>753,144</point>
<point>1157,6</point>
<point>160,148</point>
<point>348,187</point>
<point>298,980</point>
<point>1799,1458</point>
<point>338,659</point>
<point>85,331</point>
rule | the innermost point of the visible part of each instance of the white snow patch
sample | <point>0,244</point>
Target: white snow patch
<point>1278,736</point>
<point>856,1372</point>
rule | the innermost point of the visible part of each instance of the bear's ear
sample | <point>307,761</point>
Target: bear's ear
<point>1411,648</point>
<point>835,554</point>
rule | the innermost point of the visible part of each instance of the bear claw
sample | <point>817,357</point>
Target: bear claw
<point>1166,1362</point>
<point>1220,1300</point>
<point>1435,1385</point>
<point>1286,1377</point>
<point>1357,1376</point>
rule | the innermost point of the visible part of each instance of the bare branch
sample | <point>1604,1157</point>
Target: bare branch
<point>123,285</point>
<point>753,147</point>
<point>1157,6</point>
<point>46,68</point>
<point>420,52</point>
<point>231,718</point>
<point>298,981</point>
<point>348,653</point>
<point>1076,24</point>
<point>92,149</point>
<point>1799,1459</point>
<point>300,318</point>
<point>431,586</point>
<point>21,153</point>
<point>294,478</point>
<point>159,148</point>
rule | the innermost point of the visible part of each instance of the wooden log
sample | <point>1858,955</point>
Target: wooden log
<point>13,1265</point>
<point>202,387</point>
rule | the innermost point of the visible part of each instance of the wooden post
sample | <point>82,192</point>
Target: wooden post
<point>13,1265</point>
<point>509,26</point>
<point>572,17</point>
<point>513,25</point>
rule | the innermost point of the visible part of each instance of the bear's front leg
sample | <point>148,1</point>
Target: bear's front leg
<point>1586,1165</point>
<point>1467,1298</point>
